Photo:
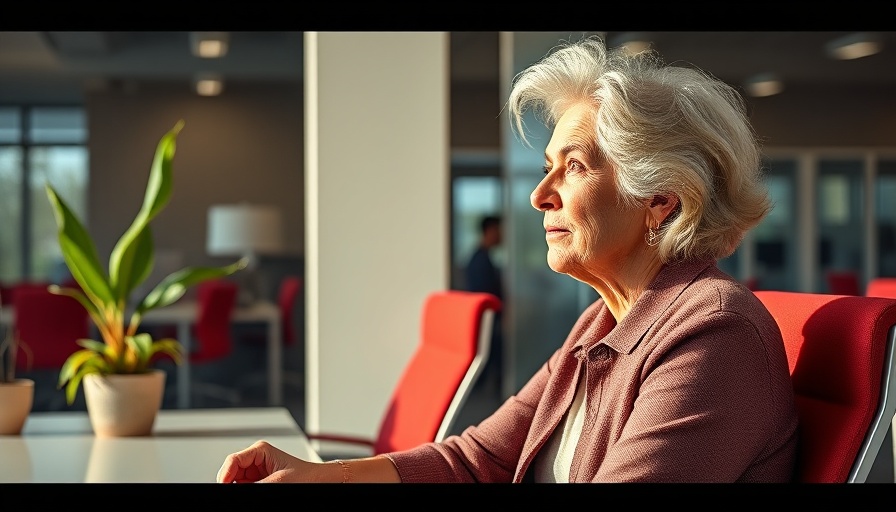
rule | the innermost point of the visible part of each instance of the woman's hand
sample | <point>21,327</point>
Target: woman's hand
<point>264,463</point>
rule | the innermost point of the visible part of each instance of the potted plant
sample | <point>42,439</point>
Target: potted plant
<point>16,395</point>
<point>112,365</point>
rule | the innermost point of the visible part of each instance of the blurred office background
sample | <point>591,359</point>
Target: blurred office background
<point>302,126</point>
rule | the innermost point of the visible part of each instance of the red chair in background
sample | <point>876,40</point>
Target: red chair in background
<point>10,291</point>
<point>841,355</point>
<point>455,335</point>
<point>881,287</point>
<point>47,327</point>
<point>287,295</point>
<point>5,294</point>
<point>843,282</point>
<point>212,337</point>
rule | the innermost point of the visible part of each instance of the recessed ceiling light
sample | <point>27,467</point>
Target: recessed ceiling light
<point>632,42</point>
<point>209,85</point>
<point>209,45</point>
<point>855,46</point>
<point>764,84</point>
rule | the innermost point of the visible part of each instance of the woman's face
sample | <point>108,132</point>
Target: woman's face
<point>590,235</point>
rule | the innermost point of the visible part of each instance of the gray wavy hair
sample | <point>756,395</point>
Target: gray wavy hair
<point>664,129</point>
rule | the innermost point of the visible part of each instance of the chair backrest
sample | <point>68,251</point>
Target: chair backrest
<point>212,331</point>
<point>11,291</point>
<point>882,287</point>
<point>840,352</point>
<point>48,325</point>
<point>455,334</point>
<point>842,282</point>
<point>5,295</point>
<point>286,299</point>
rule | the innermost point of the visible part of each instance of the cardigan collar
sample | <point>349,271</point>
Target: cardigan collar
<point>669,283</point>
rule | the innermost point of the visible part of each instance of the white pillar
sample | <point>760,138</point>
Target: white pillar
<point>377,214</point>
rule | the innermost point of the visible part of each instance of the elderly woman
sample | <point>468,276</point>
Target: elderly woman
<point>677,373</point>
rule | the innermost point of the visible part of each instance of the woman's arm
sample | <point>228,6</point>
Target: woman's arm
<point>265,463</point>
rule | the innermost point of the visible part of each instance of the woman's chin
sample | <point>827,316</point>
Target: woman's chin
<point>557,264</point>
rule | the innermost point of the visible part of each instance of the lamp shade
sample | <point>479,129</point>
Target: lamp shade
<point>244,229</point>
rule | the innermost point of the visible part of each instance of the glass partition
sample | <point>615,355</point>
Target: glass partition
<point>839,214</point>
<point>775,246</point>
<point>885,201</point>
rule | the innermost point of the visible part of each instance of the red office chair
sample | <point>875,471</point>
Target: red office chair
<point>212,337</point>
<point>840,351</point>
<point>454,343</point>
<point>10,292</point>
<point>5,294</point>
<point>290,288</point>
<point>47,327</point>
<point>882,287</point>
<point>843,282</point>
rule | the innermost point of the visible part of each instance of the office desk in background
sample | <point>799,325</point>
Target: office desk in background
<point>187,446</point>
<point>183,315</point>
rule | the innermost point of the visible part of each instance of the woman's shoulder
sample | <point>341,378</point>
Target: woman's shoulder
<point>715,297</point>
<point>723,290</point>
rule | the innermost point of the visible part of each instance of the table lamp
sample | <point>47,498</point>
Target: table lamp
<point>248,230</point>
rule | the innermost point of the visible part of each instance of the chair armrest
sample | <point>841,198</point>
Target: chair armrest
<point>342,447</point>
<point>338,438</point>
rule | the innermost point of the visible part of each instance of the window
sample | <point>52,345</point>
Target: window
<point>38,145</point>
<point>473,198</point>
<point>885,190</point>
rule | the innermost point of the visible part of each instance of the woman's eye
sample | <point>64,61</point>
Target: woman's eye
<point>546,169</point>
<point>575,165</point>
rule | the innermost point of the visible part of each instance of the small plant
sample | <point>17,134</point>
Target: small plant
<point>105,294</point>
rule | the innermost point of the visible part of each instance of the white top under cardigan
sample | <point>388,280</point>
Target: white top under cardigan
<point>555,458</point>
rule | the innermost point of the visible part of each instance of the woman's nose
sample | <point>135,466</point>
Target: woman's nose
<point>544,197</point>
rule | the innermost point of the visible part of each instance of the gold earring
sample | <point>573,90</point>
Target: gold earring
<point>651,237</point>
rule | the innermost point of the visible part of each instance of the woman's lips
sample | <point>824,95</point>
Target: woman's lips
<point>555,232</point>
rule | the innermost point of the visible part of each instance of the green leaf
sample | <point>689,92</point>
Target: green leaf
<point>173,287</point>
<point>125,267</point>
<point>71,389</point>
<point>79,252</point>
<point>98,347</point>
<point>76,361</point>
<point>139,258</point>
<point>142,346</point>
<point>171,347</point>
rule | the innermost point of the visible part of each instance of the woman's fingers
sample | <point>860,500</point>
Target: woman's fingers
<point>248,465</point>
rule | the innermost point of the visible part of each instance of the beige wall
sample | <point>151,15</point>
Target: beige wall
<point>245,145</point>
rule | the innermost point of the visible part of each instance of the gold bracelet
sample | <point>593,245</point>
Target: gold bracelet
<point>346,471</point>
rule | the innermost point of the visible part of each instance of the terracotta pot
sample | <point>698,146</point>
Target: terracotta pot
<point>124,405</point>
<point>16,398</point>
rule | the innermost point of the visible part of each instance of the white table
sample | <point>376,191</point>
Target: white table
<point>183,314</point>
<point>187,446</point>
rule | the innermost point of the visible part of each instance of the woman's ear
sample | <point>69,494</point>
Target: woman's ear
<point>661,206</point>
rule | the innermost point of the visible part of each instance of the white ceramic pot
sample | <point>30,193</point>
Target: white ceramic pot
<point>16,399</point>
<point>124,405</point>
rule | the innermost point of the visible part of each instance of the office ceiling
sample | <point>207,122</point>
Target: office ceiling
<point>57,67</point>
